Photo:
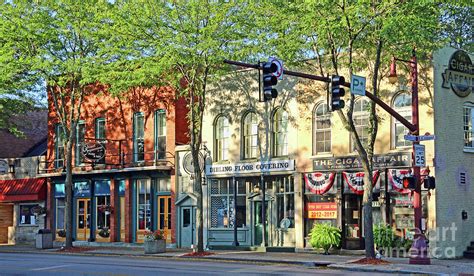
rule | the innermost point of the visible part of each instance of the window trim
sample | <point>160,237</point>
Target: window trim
<point>244,136</point>
<point>405,111</point>
<point>315,129</point>
<point>159,112</point>
<point>274,133</point>
<point>135,141</point>
<point>468,106</point>
<point>225,155</point>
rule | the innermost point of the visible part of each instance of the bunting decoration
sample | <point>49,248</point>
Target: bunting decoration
<point>319,183</point>
<point>355,181</point>
<point>395,178</point>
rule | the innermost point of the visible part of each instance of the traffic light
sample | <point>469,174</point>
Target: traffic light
<point>429,182</point>
<point>409,182</point>
<point>269,79</point>
<point>337,92</point>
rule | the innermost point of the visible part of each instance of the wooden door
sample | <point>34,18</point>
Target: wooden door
<point>83,223</point>
<point>6,220</point>
<point>122,218</point>
<point>164,216</point>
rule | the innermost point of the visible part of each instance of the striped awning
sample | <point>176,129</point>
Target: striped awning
<point>27,189</point>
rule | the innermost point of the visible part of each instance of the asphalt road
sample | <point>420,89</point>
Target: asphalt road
<point>52,264</point>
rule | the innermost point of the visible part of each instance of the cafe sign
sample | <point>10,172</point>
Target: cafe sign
<point>390,160</point>
<point>93,152</point>
<point>321,210</point>
<point>459,76</point>
<point>245,168</point>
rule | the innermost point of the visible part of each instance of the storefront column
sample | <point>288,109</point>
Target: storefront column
<point>49,205</point>
<point>116,210</point>
<point>128,210</point>
<point>299,211</point>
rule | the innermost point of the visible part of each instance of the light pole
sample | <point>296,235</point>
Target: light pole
<point>419,250</point>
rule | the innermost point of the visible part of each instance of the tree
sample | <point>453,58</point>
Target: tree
<point>58,43</point>
<point>180,44</point>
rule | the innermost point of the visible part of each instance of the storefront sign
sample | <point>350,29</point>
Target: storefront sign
<point>403,200</point>
<point>392,160</point>
<point>459,76</point>
<point>245,168</point>
<point>322,210</point>
<point>93,151</point>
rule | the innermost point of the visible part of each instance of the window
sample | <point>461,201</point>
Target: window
<point>100,135</point>
<point>222,204</point>
<point>60,207</point>
<point>250,135</point>
<point>402,105</point>
<point>160,134</point>
<point>280,133</point>
<point>221,138</point>
<point>103,215</point>
<point>164,184</point>
<point>27,217</point>
<point>59,141</point>
<point>80,137</point>
<point>138,137</point>
<point>322,129</point>
<point>285,201</point>
<point>468,127</point>
<point>144,204</point>
<point>361,122</point>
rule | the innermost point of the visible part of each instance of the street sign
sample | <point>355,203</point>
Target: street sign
<point>358,85</point>
<point>420,160</point>
<point>426,137</point>
<point>410,137</point>
<point>279,63</point>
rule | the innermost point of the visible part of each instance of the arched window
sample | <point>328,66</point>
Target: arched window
<point>221,138</point>
<point>250,135</point>
<point>280,133</point>
<point>401,104</point>
<point>361,122</point>
<point>321,129</point>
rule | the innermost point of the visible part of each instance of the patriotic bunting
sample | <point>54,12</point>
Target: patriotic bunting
<point>395,178</point>
<point>355,181</point>
<point>319,183</point>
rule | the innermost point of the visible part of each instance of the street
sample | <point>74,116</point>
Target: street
<point>52,264</point>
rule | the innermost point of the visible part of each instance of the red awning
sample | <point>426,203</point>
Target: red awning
<point>28,189</point>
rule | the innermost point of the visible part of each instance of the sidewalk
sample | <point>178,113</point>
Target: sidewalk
<point>343,262</point>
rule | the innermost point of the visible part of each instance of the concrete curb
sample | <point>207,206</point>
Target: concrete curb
<point>303,263</point>
<point>381,269</point>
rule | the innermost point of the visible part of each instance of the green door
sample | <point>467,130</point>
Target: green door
<point>258,226</point>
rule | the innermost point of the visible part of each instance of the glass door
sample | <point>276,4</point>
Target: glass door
<point>83,219</point>
<point>164,216</point>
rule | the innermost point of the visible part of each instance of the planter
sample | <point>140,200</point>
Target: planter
<point>156,246</point>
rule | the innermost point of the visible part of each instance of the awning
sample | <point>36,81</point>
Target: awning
<point>27,189</point>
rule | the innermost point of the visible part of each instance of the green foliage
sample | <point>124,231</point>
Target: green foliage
<point>384,236</point>
<point>325,236</point>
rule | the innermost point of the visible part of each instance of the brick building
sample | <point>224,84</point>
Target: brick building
<point>123,167</point>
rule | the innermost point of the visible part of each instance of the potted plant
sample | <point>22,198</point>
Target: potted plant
<point>154,242</point>
<point>325,236</point>
<point>104,232</point>
<point>62,233</point>
<point>384,238</point>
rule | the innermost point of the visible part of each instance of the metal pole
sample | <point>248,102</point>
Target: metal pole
<point>262,179</point>
<point>415,122</point>
<point>236,242</point>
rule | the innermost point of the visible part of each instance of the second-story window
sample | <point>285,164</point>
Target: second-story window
<point>280,133</point>
<point>401,104</point>
<point>468,122</point>
<point>250,136</point>
<point>160,134</point>
<point>361,122</point>
<point>138,137</point>
<point>221,134</point>
<point>321,129</point>
<point>100,135</point>
<point>80,137</point>
<point>59,145</point>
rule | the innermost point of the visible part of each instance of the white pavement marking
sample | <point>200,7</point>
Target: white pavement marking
<point>49,267</point>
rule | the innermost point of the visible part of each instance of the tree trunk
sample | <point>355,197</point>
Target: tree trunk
<point>199,209</point>
<point>367,213</point>
<point>68,215</point>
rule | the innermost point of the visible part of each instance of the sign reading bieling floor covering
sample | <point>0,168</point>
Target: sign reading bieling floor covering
<point>245,168</point>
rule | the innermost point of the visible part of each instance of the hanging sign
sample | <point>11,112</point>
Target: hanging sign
<point>319,183</point>
<point>389,160</point>
<point>93,152</point>
<point>459,76</point>
<point>355,181</point>
<point>321,210</point>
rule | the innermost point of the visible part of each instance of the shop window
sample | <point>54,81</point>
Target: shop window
<point>160,134</point>
<point>80,139</point>
<point>27,217</point>
<point>222,204</point>
<point>402,105</point>
<point>103,215</point>
<point>361,122</point>
<point>321,129</point>
<point>60,137</point>
<point>138,137</point>
<point>285,196</point>
<point>144,204</point>
<point>280,133</point>
<point>221,138</point>
<point>100,135</point>
<point>164,184</point>
<point>250,136</point>
<point>468,127</point>
<point>60,211</point>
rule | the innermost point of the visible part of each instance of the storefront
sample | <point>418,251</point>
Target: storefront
<point>243,206</point>
<point>334,190</point>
